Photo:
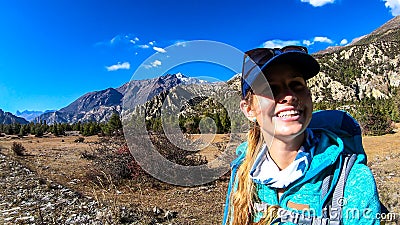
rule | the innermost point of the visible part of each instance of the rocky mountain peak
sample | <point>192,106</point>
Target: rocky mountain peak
<point>390,25</point>
<point>368,68</point>
<point>9,118</point>
<point>100,105</point>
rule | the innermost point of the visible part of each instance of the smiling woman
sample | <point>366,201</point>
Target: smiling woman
<point>295,168</point>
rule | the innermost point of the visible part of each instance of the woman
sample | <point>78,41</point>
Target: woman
<point>288,171</point>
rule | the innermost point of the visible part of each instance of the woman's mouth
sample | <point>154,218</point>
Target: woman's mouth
<point>288,113</point>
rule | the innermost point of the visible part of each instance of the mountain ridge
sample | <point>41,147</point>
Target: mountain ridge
<point>30,115</point>
<point>391,24</point>
<point>100,105</point>
<point>368,67</point>
<point>9,118</point>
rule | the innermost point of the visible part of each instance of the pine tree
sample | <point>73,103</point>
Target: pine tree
<point>114,124</point>
<point>55,129</point>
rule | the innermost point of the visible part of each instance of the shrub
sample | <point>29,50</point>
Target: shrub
<point>174,153</point>
<point>87,155</point>
<point>80,140</point>
<point>18,148</point>
<point>376,124</point>
<point>114,159</point>
<point>376,116</point>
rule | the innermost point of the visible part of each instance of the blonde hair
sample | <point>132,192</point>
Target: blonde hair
<point>245,195</point>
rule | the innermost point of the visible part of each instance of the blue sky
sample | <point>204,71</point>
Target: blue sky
<point>52,52</point>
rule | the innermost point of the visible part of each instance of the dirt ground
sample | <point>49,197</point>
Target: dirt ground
<point>60,160</point>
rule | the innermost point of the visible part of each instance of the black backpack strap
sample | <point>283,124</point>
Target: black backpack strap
<point>338,200</point>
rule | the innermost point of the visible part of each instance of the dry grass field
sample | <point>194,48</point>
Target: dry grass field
<point>60,159</point>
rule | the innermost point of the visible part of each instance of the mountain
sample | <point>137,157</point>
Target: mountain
<point>100,105</point>
<point>93,106</point>
<point>387,32</point>
<point>369,67</point>
<point>390,31</point>
<point>362,78</point>
<point>31,115</point>
<point>9,118</point>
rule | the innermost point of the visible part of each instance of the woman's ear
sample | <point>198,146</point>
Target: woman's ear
<point>247,110</point>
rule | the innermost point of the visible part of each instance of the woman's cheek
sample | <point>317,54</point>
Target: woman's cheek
<point>266,107</point>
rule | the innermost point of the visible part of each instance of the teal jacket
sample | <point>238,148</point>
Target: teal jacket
<point>360,203</point>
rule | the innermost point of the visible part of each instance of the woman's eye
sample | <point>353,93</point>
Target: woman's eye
<point>274,89</point>
<point>296,85</point>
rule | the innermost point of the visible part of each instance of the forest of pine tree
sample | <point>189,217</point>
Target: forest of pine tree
<point>112,127</point>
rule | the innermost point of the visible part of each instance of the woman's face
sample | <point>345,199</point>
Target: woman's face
<point>288,112</point>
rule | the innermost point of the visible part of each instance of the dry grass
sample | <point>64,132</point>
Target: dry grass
<point>383,156</point>
<point>60,159</point>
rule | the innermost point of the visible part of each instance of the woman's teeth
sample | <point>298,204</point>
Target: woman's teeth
<point>289,113</point>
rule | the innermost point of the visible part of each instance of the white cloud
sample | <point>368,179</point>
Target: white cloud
<point>394,6</point>
<point>323,39</point>
<point>276,43</point>
<point>143,46</point>
<point>115,39</point>
<point>180,43</point>
<point>317,3</point>
<point>151,42</point>
<point>119,66</point>
<point>123,39</point>
<point>307,42</point>
<point>160,50</point>
<point>344,42</point>
<point>156,63</point>
<point>279,43</point>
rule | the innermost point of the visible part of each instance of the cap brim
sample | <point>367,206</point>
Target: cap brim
<point>304,62</point>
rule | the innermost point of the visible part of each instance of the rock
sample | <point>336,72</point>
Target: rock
<point>170,215</point>
<point>157,211</point>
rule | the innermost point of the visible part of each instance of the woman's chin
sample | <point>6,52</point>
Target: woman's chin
<point>288,127</point>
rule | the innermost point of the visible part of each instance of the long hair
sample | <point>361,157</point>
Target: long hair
<point>245,195</point>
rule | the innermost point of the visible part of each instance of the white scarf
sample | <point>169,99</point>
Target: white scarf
<point>265,171</point>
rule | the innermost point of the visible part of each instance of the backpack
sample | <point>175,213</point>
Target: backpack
<point>347,128</point>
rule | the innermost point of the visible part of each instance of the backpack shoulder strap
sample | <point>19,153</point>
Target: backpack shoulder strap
<point>337,202</point>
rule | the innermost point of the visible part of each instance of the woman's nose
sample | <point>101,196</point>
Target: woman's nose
<point>287,96</point>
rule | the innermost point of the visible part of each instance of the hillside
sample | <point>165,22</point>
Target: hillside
<point>351,77</point>
<point>387,32</point>
<point>362,78</point>
<point>9,118</point>
<point>368,67</point>
<point>100,105</point>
